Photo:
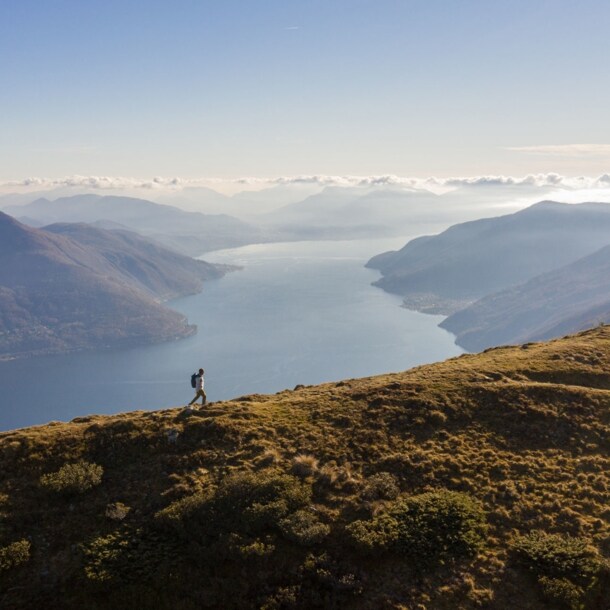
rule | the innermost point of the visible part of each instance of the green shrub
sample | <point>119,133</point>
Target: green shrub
<point>117,511</point>
<point>438,525</point>
<point>429,527</point>
<point>304,527</point>
<point>556,556</point>
<point>245,547</point>
<point>328,582</point>
<point>14,554</point>
<point>381,486</point>
<point>129,555</point>
<point>247,503</point>
<point>374,536</point>
<point>561,592</point>
<point>74,478</point>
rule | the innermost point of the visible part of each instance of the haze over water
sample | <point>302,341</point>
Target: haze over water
<point>297,313</point>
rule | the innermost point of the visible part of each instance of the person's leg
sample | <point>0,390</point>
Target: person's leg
<point>204,398</point>
<point>194,399</point>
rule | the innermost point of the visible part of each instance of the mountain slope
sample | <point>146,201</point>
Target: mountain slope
<point>188,232</point>
<point>473,259</point>
<point>296,500</point>
<point>59,294</point>
<point>569,299</point>
<point>142,262</point>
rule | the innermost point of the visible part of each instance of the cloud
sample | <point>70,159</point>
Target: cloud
<point>565,150</point>
<point>161,183</point>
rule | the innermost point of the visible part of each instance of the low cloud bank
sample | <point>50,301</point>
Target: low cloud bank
<point>256,183</point>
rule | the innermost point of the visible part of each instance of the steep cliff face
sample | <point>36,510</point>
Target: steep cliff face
<point>481,481</point>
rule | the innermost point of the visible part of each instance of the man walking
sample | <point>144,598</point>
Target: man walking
<point>200,391</point>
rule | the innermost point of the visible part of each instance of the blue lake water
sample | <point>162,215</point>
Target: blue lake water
<point>298,313</point>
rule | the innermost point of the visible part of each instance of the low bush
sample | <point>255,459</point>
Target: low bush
<point>246,547</point>
<point>73,479</point>
<point>117,511</point>
<point>247,503</point>
<point>304,465</point>
<point>374,536</point>
<point>558,556</point>
<point>436,525</point>
<point>129,555</point>
<point>14,555</point>
<point>304,528</point>
<point>429,527</point>
<point>380,486</point>
<point>561,592</point>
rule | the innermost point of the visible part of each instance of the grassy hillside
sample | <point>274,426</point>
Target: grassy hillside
<point>479,482</point>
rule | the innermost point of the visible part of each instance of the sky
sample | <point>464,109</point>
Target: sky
<point>268,88</point>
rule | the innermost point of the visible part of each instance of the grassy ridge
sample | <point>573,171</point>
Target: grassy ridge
<point>252,502</point>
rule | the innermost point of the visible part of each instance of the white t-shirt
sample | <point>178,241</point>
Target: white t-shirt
<point>200,382</point>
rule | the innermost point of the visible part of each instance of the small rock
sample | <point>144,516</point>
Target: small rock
<point>172,435</point>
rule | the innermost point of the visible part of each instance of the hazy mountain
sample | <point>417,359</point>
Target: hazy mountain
<point>268,199</point>
<point>189,232</point>
<point>340,212</point>
<point>143,263</point>
<point>195,199</point>
<point>569,299</point>
<point>60,293</point>
<point>444,272</point>
<point>479,482</point>
<point>245,205</point>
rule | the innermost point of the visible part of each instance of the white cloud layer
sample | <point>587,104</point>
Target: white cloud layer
<point>256,183</point>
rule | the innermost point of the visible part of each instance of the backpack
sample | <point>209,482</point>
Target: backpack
<point>194,380</point>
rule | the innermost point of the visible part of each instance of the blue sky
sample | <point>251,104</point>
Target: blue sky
<point>270,88</point>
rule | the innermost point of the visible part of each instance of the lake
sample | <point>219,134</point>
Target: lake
<point>297,313</point>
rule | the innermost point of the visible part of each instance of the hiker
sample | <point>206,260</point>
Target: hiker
<point>198,382</point>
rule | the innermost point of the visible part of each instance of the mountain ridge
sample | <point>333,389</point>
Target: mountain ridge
<point>472,259</point>
<point>568,299</point>
<point>191,233</point>
<point>60,294</point>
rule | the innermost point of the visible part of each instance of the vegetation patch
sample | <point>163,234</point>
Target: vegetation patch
<point>14,555</point>
<point>129,555</point>
<point>426,528</point>
<point>565,567</point>
<point>248,503</point>
<point>72,479</point>
<point>304,527</point>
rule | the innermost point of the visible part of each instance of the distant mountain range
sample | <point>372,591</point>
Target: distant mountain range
<point>356,212</point>
<point>78,287</point>
<point>574,297</point>
<point>446,272</point>
<point>191,233</point>
<point>534,275</point>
